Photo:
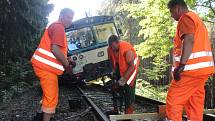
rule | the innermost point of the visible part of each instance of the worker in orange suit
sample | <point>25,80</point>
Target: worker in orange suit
<point>50,60</point>
<point>193,64</point>
<point>125,64</point>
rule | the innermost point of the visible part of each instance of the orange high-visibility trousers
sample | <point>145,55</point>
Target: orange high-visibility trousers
<point>49,85</point>
<point>188,94</point>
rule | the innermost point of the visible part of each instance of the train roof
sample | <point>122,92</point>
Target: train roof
<point>90,21</point>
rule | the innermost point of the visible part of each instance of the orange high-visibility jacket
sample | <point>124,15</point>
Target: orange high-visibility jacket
<point>201,60</point>
<point>123,66</point>
<point>44,59</point>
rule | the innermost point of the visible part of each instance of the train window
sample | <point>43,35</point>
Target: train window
<point>103,32</point>
<point>80,38</point>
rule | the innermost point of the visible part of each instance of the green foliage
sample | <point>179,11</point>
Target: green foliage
<point>150,91</point>
<point>153,26</point>
<point>157,29</point>
<point>157,71</point>
<point>206,8</point>
<point>128,25</point>
<point>21,25</point>
<point>17,78</point>
<point>150,22</point>
<point>21,71</point>
<point>7,95</point>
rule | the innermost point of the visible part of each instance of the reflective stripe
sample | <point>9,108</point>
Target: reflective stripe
<point>45,52</point>
<point>173,68</point>
<point>196,55</point>
<point>50,63</point>
<point>134,73</point>
<point>197,66</point>
<point>132,77</point>
<point>135,60</point>
<point>166,119</point>
<point>200,54</point>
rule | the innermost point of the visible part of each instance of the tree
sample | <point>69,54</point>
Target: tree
<point>157,30</point>
<point>21,25</point>
<point>208,6</point>
<point>128,25</point>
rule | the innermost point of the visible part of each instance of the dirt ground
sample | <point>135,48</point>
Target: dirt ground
<point>24,107</point>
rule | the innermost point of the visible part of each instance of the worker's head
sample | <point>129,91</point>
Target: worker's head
<point>113,42</point>
<point>177,8</point>
<point>66,16</point>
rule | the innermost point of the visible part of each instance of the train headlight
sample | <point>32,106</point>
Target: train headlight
<point>81,57</point>
<point>74,58</point>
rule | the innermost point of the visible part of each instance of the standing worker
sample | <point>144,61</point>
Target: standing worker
<point>193,64</point>
<point>50,60</point>
<point>125,63</point>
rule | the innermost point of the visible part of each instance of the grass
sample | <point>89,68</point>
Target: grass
<point>145,89</point>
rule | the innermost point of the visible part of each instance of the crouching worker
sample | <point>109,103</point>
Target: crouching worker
<point>50,60</point>
<point>125,63</point>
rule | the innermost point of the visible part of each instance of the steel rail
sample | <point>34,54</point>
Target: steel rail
<point>103,117</point>
<point>96,109</point>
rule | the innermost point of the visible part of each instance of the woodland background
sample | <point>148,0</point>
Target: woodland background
<point>145,23</point>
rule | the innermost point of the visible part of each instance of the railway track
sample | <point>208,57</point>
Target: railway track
<point>102,100</point>
<point>144,107</point>
<point>88,103</point>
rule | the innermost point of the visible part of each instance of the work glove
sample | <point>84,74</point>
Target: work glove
<point>71,62</point>
<point>122,81</point>
<point>115,85</point>
<point>177,72</point>
<point>68,69</point>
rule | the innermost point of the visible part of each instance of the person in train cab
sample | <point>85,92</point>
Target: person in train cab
<point>50,60</point>
<point>193,64</point>
<point>72,45</point>
<point>125,62</point>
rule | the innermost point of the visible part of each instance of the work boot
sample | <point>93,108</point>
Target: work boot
<point>38,117</point>
<point>112,112</point>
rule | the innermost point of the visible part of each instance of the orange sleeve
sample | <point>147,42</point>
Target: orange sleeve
<point>56,34</point>
<point>186,26</point>
<point>129,56</point>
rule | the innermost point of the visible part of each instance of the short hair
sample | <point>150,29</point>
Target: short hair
<point>65,11</point>
<point>113,38</point>
<point>173,3</point>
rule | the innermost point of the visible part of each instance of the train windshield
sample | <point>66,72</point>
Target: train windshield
<point>104,31</point>
<point>80,38</point>
<point>90,36</point>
